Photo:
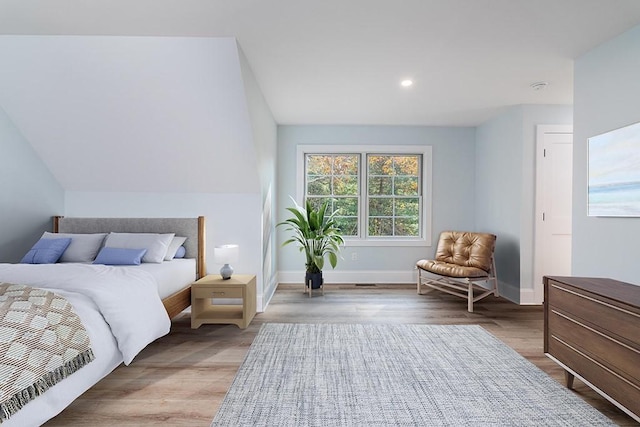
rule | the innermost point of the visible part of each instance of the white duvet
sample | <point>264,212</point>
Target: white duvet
<point>119,307</point>
<point>127,299</point>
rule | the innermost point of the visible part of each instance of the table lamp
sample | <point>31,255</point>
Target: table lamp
<point>225,254</point>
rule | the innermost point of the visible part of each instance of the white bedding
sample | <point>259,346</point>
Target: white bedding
<point>118,327</point>
<point>171,276</point>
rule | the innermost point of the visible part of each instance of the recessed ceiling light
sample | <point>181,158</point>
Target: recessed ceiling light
<point>406,83</point>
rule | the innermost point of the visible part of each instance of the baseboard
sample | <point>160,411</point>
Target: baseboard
<point>529,297</point>
<point>359,277</point>
<point>508,291</point>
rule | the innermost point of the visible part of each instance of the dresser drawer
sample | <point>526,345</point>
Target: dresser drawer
<point>609,316</point>
<point>622,359</point>
<point>216,292</point>
<point>624,393</point>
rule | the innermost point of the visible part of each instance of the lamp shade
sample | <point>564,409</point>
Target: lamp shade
<point>225,254</point>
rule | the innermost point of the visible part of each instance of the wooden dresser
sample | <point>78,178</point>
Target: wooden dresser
<point>592,329</point>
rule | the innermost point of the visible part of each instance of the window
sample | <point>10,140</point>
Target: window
<point>382,194</point>
<point>393,195</point>
<point>335,177</point>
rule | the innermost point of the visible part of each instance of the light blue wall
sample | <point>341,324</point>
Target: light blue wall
<point>29,194</point>
<point>453,193</point>
<point>607,96</point>
<point>498,193</point>
<point>505,188</point>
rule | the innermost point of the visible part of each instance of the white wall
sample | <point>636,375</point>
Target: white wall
<point>230,218</point>
<point>29,194</point>
<point>143,127</point>
<point>235,213</point>
<point>264,135</point>
<point>607,96</point>
<point>453,195</point>
<point>142,114</point>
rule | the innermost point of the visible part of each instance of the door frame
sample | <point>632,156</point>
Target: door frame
<point>541,131</point>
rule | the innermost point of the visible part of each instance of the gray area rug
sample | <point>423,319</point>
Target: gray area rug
<point>394,375</point>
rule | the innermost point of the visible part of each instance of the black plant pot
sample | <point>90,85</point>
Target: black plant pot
<point>315,279</point>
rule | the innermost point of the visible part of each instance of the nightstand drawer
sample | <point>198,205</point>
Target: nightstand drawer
<point>217,292</point>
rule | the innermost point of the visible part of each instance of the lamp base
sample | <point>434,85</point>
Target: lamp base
<point>226,271</point>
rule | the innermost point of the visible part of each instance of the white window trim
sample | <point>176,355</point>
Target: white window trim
<point>363,150</point>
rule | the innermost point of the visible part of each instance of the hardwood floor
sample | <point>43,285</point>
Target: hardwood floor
<point>181,379</point>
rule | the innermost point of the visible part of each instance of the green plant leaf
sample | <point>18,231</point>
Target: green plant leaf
<point>315,231</point>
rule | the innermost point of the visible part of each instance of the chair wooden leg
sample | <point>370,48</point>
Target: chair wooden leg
<point>472,289</point>
<point>495,277</point>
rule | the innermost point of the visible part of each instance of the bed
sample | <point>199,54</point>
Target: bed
<point>192,228</point>
<point>116,328</point>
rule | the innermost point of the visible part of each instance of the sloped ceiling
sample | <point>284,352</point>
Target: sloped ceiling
<point>139,114</point>
<point>340,61</point>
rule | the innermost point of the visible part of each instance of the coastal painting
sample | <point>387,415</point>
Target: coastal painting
<point>614,173</point>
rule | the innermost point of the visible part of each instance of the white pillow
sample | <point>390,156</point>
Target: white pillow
<point>155,244</point>
<point>173,247</point>
<point>83,247</point>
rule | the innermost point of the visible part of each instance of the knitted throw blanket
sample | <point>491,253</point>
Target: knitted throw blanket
<point>42,341</point>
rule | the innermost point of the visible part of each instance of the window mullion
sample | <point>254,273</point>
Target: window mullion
<point>363,199</point>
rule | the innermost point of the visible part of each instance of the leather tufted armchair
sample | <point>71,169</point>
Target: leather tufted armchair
<point>463,266</point>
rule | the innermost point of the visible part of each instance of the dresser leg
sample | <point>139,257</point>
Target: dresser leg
<point>568,378</point>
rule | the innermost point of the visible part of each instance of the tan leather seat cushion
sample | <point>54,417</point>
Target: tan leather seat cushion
<point>451,270</point>
<point>461,254</point>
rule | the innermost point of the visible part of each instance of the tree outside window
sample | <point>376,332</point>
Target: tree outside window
<point>389,204</point>
<point>393,195</point>
<point>335,177</point>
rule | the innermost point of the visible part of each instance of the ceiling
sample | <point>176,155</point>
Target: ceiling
<point>341,61</point>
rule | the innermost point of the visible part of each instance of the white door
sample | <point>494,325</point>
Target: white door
<point>553,204</point>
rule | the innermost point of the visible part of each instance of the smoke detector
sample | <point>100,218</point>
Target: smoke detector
<point>539,85</point>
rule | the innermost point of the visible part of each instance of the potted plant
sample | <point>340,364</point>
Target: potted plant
<point>317,234</point>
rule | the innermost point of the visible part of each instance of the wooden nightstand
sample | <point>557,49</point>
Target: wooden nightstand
<point>212,287</point>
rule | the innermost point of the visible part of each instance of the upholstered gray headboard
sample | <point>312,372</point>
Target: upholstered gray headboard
<point>191,228</point>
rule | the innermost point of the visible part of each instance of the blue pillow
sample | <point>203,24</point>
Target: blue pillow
<point>119,256</point>
<point>181,252</point>
<point>46,251</point>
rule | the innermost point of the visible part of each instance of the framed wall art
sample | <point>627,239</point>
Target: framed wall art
<point>614,173</point>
